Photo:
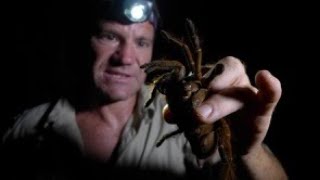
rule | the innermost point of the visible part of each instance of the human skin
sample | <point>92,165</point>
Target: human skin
<point>120,51</point>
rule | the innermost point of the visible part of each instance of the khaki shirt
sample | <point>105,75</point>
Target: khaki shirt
<point>137,147</point>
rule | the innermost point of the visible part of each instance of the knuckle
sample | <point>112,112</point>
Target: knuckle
<point>236,67</point>
<point>234,62</point>
<point>231,60</point>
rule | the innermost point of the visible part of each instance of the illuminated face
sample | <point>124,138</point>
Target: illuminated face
<point>120,51</point>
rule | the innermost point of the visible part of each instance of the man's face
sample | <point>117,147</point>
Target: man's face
<point>120,51</point>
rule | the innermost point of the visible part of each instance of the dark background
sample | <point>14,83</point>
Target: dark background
<point>274,36</point>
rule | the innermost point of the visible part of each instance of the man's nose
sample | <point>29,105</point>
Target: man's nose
<point>126,54</point>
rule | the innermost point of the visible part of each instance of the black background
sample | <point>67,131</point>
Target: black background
<point>265,35</point>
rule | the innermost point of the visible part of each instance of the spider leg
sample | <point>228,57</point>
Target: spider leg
<point>223,135</point>
<point>185,47</point>
<point>168,136</point>
<point>153,95</point>
<point>160,85</point>
<point>195,41</point>
<point>163,66</point>
<point>211,74</point>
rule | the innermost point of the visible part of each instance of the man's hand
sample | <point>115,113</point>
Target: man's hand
<point>250,109</point>
<point>232,93</point>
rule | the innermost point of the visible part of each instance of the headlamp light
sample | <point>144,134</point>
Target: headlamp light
<point>137,10</point>
<point>129,11</point>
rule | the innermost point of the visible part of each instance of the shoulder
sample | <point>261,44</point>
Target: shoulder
<point>27,122</point>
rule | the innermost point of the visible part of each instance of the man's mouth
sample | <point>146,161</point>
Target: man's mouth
<point>116,75</point>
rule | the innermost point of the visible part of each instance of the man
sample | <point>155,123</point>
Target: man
<point>110,134</point>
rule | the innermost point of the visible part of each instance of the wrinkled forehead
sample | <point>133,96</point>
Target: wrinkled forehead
<point>143,29</point>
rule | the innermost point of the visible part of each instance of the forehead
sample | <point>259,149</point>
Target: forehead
<point>137,29</point>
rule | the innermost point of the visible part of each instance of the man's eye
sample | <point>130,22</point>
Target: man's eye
<point>108,37</point>
<point>143,43</point>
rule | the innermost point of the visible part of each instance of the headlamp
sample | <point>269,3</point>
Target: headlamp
<point>137,10</point>
<point>130,11</point>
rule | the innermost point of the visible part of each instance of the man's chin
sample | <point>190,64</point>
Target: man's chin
<point>118,95</point>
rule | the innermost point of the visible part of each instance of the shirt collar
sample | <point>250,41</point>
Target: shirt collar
<point>145,113</point>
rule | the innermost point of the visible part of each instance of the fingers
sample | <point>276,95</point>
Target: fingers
<point>269,92</point>
<point>218,105</point>
<point>264,98</point>
<point>256,122</point>
<point>229,91</point>
<point>229,88</point>
<point>233,75</point>
<point>224,103</point>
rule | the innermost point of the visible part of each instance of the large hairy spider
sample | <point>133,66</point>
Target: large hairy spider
<point>185,89</point>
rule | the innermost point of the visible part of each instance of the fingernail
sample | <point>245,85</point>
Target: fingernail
<point>205,110</point>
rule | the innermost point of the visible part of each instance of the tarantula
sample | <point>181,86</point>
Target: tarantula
<point>185,89</point>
